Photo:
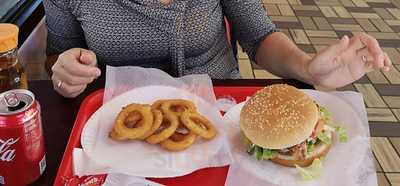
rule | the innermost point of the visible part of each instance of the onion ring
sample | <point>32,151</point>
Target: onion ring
<point>130,121</point>
<point>178,106</point>
<point>115,136</point>
<point>164,133</point>
<point>133,119</point>
<point>157,120</point>
<point>172,123</point>
<point>179,141</point>
<point>157,104</point>
<point>199,124</point>
<point>136,131</point>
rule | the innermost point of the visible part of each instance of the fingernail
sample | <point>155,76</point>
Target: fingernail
<point>386,68</point>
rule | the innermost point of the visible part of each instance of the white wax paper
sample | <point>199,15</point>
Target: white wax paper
<point>348,163</point>
<point>122,79</point>
<point>125,85</point>
<point>125,180</point>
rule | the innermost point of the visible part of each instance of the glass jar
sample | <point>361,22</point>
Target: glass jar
<point>12,74</point>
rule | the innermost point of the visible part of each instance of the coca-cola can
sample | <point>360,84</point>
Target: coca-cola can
<point>22,151</point>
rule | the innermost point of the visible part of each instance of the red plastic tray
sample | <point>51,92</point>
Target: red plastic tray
<point>207,176</point>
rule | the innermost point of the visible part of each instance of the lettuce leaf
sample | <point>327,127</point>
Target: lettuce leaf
<point>327,118</point>
<point>340,131</point>
<point>269,154</point>
<point>325,115</point>
<point>310,147</point>
<point>259,152</point>
<point>343,137</point>
<point>248,144</point>
<point>322,136</point>
<point>312,172</point>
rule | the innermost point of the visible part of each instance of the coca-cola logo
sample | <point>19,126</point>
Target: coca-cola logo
<point>6,152</point>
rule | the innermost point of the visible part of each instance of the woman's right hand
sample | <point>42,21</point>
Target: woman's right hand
<point>74,69</point>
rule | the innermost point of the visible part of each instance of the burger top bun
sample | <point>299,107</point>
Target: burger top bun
<point>278,116</point>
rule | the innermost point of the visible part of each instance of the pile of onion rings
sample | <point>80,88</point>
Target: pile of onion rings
<point>172,123</point>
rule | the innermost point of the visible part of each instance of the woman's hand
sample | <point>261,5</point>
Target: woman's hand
<point>74,69</point>
<point>347,61</point>
<point>165,2</point>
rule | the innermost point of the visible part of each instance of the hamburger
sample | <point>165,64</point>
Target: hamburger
<point>282,124</point>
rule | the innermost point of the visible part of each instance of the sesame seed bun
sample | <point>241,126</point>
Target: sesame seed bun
<point>278,116</point>
<point>321,149</point>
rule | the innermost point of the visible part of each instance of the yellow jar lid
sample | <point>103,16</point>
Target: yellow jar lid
<point>8,37</point>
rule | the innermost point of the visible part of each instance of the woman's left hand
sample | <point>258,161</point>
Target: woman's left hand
<point>347,61</point>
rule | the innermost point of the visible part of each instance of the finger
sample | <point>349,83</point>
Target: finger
<point>71,91</point>
<point>363,40</point>
<point>366,57</point>
<point>66,89</point>
<point>387,62</point>
<point>356,43</point>
<point>88,57</point>
<point>69,62</point>
<point>372,45</point>
<point>71,79</point>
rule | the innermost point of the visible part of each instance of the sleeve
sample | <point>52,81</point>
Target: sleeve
<point>64,30</point>
<point>250,23</point>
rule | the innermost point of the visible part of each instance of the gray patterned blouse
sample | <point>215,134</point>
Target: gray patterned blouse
<point>185,37</point>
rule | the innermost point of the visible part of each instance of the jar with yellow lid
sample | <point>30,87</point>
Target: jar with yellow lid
<point>12,74</point>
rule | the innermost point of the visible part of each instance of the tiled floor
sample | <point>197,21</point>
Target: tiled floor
<point>314,24</point>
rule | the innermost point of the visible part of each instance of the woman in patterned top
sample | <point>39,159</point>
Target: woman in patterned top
<point>188,36</point>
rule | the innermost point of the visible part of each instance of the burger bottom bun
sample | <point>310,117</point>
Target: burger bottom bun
<point>285,160</point>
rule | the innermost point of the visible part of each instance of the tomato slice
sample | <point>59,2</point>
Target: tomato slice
<point>318,128</point>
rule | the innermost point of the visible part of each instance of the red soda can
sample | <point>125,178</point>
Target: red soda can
<point>22,151</point>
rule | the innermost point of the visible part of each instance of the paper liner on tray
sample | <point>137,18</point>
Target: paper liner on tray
<point>348,163</point>
<point>138,158</point>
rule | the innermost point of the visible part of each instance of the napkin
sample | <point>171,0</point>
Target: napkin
<point>361,173</point>
<point>120,80</point>
<point>83,165</point>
